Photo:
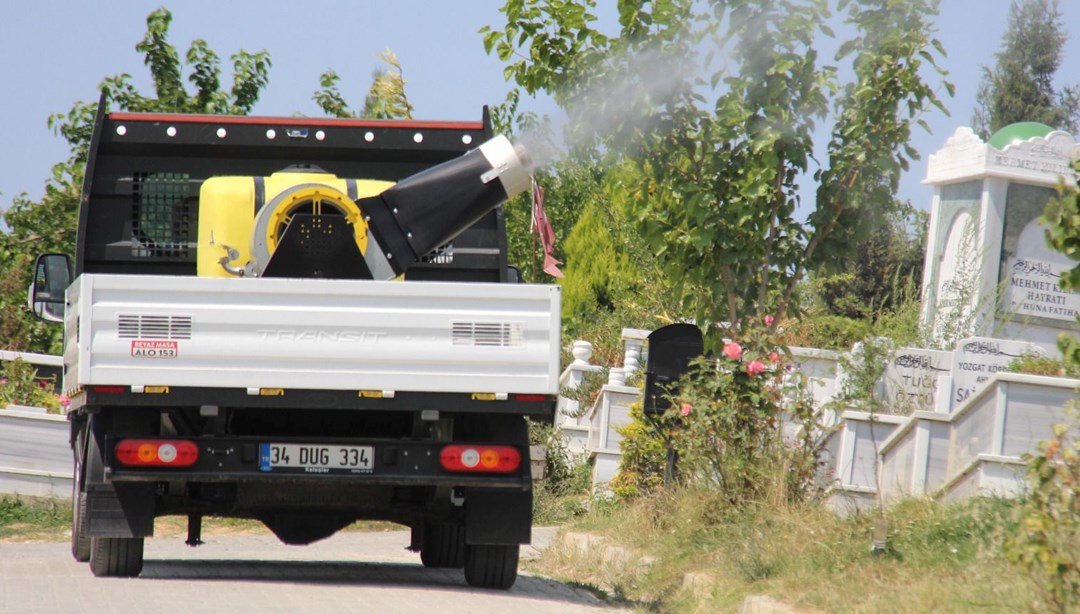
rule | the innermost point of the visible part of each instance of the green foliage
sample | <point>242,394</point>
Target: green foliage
<point>1047,541</point>
<point>587,391</point>
<point>713,164</point>
<point>941,558</point>
<point>598,273</point>
<point>1020,86</point>
<point>826,331</point>
<point>644,456</point>
<point>18,512</point>
<point>386,97</point>
<point>727,424</point>
<point>884,273</point>
<point>863,369</point>
<point>251,74</point>
<point>607,268</point>
<point>571,187</point>
<point>1062,222</point>
<point>19,386</point>
<point>35,228</point>
<point>1034,364</point>
<point>563,494</point>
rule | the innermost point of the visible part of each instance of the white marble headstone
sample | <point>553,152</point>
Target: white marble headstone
<point>977,359</point>
<point>911,378</point>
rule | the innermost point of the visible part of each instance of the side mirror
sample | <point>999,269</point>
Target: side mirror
<point>52,276</point>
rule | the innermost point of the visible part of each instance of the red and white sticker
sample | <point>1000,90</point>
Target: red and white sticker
<point>154,349</point>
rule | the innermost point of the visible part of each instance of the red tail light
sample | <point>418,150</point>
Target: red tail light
<point>480,459</point>
<point>156,453</point>
<point>530,397</point>
<point>110,389</point>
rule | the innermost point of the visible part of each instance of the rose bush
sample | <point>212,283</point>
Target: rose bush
<point>727,423</point>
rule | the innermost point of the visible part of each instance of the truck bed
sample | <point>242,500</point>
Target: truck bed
<point>372,337</point>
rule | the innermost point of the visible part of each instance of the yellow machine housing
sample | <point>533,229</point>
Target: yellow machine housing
<point>236,230</point>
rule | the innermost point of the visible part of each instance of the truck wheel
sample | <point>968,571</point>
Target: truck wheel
<point>443,545</point>
<point>116,556</point>
<point>80,543</point>
<point>491,566</point>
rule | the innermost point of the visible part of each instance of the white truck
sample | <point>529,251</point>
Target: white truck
<point>305,322</point>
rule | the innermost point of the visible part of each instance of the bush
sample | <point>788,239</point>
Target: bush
<point>564,492</point>
<point>825,331</point>
<point>1047,540</point>
<point>728,424</point>
<point>644,456</point>
<point>1034,364</point>
<point>19,385</point>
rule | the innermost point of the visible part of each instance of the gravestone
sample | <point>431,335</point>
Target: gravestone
<point>988,270</point>
<point>977,359</point>
<point>911,378</point>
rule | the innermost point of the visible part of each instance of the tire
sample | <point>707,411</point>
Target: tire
<point>116,556</point>
<point>443,545</point>
<point>491,566</point>
<point>80,543</point>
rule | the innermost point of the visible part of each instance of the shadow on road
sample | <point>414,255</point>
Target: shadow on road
<point>352,573</point>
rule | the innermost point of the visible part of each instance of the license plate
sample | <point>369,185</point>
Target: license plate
<point>316,458</point>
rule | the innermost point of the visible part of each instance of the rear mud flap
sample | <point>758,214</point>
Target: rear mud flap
<point>498,517</point>
<point>120,510</point>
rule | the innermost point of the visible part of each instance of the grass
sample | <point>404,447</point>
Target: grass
<point>32,518</point>
<point>940,557</point>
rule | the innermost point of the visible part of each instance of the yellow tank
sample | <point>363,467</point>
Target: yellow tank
<point>242,218</point>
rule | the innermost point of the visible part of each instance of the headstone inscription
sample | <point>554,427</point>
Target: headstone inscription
<point>977,359</point>
<point>911,378</point>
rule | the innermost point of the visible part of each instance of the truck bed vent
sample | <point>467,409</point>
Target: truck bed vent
<point>153,327</point>
<point>488,334</point>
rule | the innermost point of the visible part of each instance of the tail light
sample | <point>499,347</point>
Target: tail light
<point>156,453</point>
<point>480,459</point>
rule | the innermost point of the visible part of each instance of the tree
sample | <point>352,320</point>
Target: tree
<point>1020,87</point>
<point>386,98</point>
<point>251,74</point>
<point>49,225</point>
<point>885,271</point>
<point>713,163</point>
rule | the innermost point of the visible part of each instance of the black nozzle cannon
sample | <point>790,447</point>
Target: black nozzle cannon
<point>430,208</point>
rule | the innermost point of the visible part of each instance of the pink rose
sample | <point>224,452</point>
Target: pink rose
<point>774,357</point>
<point>64,401</point>
<point>732,350</point>
<point>685,409</point>
<point>3,381</point>
<point>768,320</point>
<point>756,367</point>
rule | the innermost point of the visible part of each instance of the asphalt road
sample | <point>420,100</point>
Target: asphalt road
<point>350,572</point>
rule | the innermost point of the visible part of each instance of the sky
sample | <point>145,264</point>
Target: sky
<point>53,53</point>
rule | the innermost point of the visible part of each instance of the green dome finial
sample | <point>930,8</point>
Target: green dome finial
<point>1018,133</point>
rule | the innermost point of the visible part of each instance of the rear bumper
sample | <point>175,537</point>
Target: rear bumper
<point>394,463</point>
